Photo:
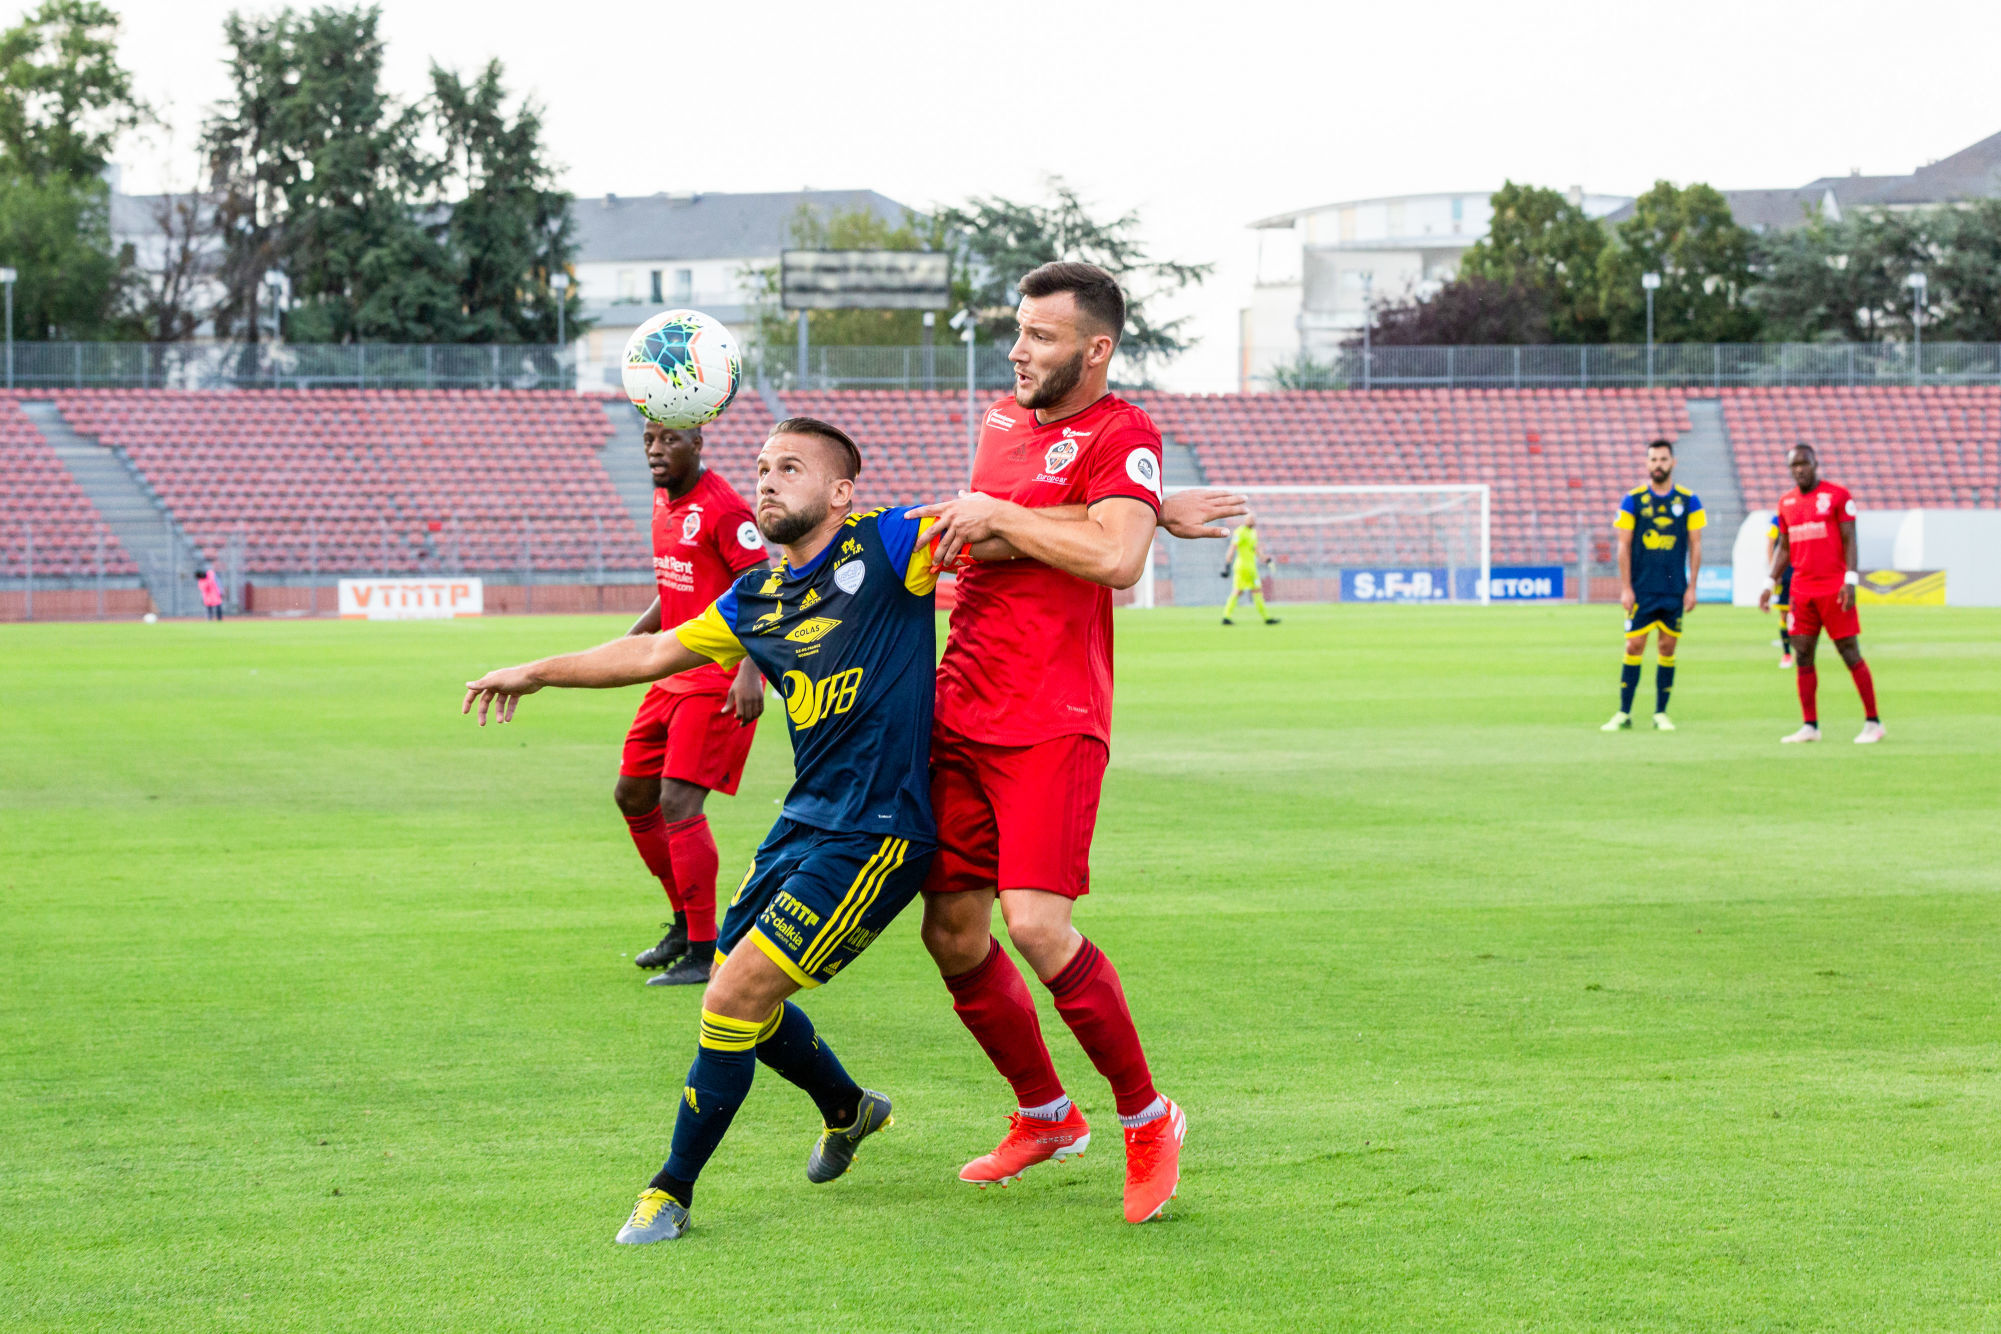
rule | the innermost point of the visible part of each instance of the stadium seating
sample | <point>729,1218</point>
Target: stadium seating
<point>375,480</point>
<point>38,495</point>
<point>1557,459</point>
<point>1895,448</point>
<point>913,440</point>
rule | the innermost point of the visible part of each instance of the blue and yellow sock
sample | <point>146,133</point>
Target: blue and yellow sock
<point>718,1082</point>
<point>1663,683</point>
<point>1629,681</point>
<point>796,1052</point>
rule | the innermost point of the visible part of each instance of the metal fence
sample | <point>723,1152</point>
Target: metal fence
<point>1635,365</point>
<point>288,366</point>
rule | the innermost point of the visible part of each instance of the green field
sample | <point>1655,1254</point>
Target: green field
<point>317,1013</point>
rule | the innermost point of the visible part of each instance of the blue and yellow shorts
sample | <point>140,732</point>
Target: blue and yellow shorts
<point>1651,612</point>
<point>813,899</point>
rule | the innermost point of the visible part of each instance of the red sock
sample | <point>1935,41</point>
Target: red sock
<point>1808,680</point>
<point>1092,1002</point>
<point>993,1002</point>
<point>649,835</point>
<point>1865,686</point>
<point>695,867</point>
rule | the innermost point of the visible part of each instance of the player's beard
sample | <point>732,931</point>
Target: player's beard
<point>1660,475</point>
<point>1055,385</point>
<point>788,526</point>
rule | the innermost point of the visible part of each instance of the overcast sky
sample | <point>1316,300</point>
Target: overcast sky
<point>1201,116</point>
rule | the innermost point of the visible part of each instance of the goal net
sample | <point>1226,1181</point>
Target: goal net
<point>1340,543</point>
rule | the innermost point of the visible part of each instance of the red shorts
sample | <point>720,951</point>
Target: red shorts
<point>689,737</point>
<point>1015,817</point>
<point>1822,611</point>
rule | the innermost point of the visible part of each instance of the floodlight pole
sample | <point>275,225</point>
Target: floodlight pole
<point>1650,281</point>
<point>803,336</point>
<point>8,276</point>
<point>1368,318</point>
<point>971,335</point>
<point>559,283</point>
<point>1916,282</point>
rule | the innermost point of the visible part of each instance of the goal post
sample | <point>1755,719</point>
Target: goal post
<point>1404,543</point>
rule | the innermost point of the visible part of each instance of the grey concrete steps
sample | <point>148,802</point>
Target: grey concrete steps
<point>1706,465</point>
<point>1178,464</point>
<point>167,559</point>
<point>625,459</point>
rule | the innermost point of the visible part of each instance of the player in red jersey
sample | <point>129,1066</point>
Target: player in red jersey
<point>1817,541</point>
<point>1069,474</point>
<point>693,731</point>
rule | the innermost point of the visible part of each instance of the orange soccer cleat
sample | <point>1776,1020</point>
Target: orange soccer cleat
<point>1029,1140</point>
<point>1153,1163</point>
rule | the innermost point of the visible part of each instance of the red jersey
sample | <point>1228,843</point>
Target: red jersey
<point>1030,654</point>
<point>701,543</point>
<point>1812,522</point>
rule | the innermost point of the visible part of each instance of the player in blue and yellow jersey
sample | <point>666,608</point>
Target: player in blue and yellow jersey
<point>1782,595</point>
<point>1659,528</point>
<point>844,625</point>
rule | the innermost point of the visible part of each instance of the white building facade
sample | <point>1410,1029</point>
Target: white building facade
<point>1321,269</point>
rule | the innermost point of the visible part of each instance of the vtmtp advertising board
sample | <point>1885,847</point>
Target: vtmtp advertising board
<point>410,599</point>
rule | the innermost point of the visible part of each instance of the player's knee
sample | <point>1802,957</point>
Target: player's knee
<point>956,947</point>
<point>680,800</point>
<point>635,796</point>
<point>1045,944</point>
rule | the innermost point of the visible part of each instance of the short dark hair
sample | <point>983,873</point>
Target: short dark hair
<point>832,434</point>
<point>1808,448</point>
<point>1096,292</point>
<point>1653,445</point>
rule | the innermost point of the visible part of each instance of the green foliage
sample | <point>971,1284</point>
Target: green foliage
<point>1470,310</point>
<point>510,227</point>
<point>846,229</point>
<point>1704,258</point>
<point>64,100</point>
<point>385,235</point>
<point>998,240</point>
<point>1539,239</point>
<point>1846,280</point>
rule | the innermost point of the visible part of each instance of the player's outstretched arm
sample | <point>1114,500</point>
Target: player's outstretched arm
<point>623,662</point>
<point>1781,557</point>
<point>649,620</point>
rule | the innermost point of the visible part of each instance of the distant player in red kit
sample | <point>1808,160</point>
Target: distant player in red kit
<point>693,732</point>
<point>1069,474</point>
<point>1817,542</point>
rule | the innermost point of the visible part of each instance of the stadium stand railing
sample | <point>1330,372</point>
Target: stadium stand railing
<point>267,365</point>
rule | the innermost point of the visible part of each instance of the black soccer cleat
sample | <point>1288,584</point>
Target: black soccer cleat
<point>833,1154</point>
<point>671,947</point>
<point>686,971</point>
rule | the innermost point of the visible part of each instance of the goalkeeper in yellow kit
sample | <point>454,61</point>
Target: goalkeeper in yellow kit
<point>1243,572</point>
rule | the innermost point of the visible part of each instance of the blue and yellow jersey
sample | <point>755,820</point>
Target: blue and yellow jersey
<point>850,640</point>
<point>1661,526</point>
<point>1786,574</point>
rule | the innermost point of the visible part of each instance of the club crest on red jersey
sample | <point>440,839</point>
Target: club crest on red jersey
<point>1822,501</point>
<point>692,524</point>
<point>1060,456</point>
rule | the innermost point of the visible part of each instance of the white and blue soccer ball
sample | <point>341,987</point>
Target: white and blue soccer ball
<point>681,368</point>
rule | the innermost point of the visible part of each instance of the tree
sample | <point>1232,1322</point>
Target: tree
<point>64,100</point>
<point>1540,241</point>
<point>318,171</point>
<point>1841,281</point>
<point>165,296</point>
<point>1466,311</point>
<point>510,228</point>
<point>845,229</point>
<point>997,240</point>
<point>1966,272</point>
<point>1704,258</point>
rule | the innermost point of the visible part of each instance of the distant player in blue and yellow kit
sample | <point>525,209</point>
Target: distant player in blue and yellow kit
<point>844,626</point>
<point>1659,529</point>
<point>1782,595</point>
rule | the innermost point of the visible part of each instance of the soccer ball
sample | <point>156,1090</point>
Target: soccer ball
<point>681,368</point>
<point>152,618</point>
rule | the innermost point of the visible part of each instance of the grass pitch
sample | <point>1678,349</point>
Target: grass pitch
<point>317,1013</point>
